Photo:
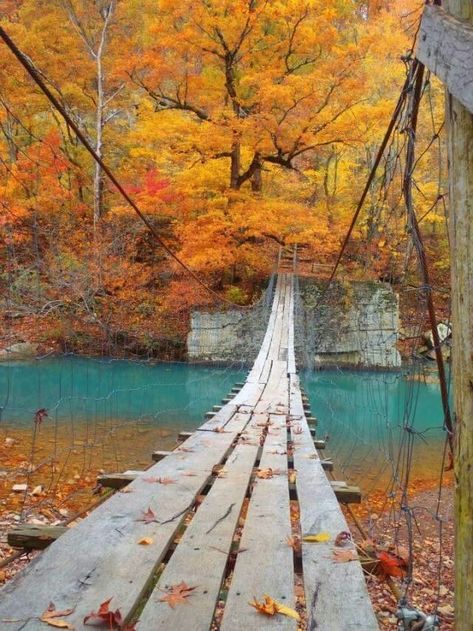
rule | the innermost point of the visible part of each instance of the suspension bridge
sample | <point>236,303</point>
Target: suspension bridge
<point>238,471</point>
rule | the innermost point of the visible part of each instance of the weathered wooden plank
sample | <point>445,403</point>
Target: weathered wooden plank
<point>107,558</point>
<point>266,567</point>
<point>34,537</point>
<point>200,558</point>
<point>336,594</point>
<point>445,46</point>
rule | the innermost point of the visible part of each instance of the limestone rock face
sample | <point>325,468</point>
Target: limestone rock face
<point>21,350</point>
<point>356,326</point>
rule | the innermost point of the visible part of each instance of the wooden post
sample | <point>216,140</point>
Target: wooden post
<point>460,141</point>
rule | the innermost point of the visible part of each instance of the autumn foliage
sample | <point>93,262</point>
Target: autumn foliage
<point>236,126</point>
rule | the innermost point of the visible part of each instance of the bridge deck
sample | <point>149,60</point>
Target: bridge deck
<point>263,427</point>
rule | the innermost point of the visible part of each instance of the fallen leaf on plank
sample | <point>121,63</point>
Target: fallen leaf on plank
<point>344,556</point>
<point>270,607</point>
<point>146,541</point>
<point>320,537</point>
<point>113,619</point>
<point>148,517</point>
<point>50,617</point>
<point>177,594</point>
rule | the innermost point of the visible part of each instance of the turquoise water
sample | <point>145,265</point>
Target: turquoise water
<point>364,415</point>
<point>80,389</point>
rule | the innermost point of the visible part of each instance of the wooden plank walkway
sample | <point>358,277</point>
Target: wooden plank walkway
<point>100,558</point>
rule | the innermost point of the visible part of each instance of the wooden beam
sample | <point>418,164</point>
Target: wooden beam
<point>445,47</point>
<point>346,494</point>
<point>156,456</point>
<point>182,436</point>
<point>116,480</point>
<point>460,149</point>
<point>34,537</point>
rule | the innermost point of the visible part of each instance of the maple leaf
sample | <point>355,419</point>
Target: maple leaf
<point>148,517</point>
<point>177,594</point>
<point>50,616</point>
<point>39,415</point>
<point>113,619</point>
<point>391,564</point>
<point>270,607</point>
<point>265,474</point>
<point>344,556</point>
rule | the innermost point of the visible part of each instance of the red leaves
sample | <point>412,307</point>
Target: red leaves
<point>39,415</point>
<point>102,617</point>
<point>148,517</point>
<point>390,564</point>
<point>177,594</point>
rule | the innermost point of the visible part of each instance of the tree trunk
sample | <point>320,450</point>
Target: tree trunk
<point>460,141</point>
<point>235,166</point>
<point>257,177</point>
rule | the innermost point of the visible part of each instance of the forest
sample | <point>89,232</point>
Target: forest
<point>237,127</point>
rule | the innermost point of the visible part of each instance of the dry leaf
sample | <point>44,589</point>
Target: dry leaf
<point>269,607</point>
<point>292,477</point>
<point>294,542</point>
<point>113,619</point>
<point>265,474</point>
<point>343,538</point>
<point>60,624</point>
<point>320,537</point>
<point>148,517</point>
<point>50,617</point>
<point>146,541</point>
<point>177,594</point>
<point>344,556</point>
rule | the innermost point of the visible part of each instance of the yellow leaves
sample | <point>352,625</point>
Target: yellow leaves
<point>146,541</point>
<point>269,607</point>
<point>321,537</point>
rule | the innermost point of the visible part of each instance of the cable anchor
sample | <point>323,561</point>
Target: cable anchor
<point>411,619</point>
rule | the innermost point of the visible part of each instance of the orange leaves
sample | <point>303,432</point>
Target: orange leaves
<point>269,607</point>
<point>177,594</point>
<point>103,616</point>
<point>266,474</point>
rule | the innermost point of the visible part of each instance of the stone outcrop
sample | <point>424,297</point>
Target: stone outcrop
<point>21,350</point>
<point>355,325</point>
